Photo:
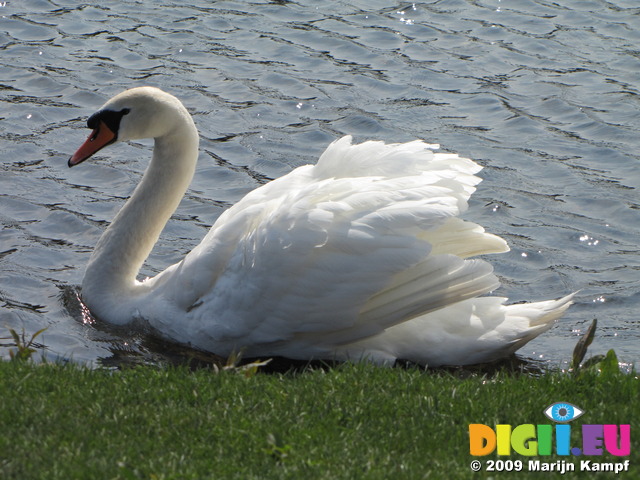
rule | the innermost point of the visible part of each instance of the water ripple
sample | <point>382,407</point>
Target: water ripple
<point>544,95</point>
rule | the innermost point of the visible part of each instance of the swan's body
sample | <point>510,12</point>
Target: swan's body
<point>361,256</point>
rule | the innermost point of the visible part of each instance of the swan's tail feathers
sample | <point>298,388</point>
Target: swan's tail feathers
<point>522,323</point>
<point>541,316</point>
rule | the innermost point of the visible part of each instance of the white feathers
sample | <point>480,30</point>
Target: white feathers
<point>361,256</point>
<point>473,331</point>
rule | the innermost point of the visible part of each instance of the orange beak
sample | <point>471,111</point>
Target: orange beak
<point>99,138</point>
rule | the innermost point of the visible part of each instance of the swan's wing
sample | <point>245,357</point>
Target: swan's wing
<point>336,252</point>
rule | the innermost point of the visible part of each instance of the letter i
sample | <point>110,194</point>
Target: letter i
<point>503,432</point>
<point>544,439</point>
<point>563,439</point>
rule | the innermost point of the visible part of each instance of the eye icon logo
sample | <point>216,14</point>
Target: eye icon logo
<point>563,412</point>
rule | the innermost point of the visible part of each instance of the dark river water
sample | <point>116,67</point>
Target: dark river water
<point>543,94</point>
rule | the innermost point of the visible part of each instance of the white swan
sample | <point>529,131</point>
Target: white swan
<point>360,256</point>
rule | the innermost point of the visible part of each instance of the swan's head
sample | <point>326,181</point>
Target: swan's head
<point>142,112</point>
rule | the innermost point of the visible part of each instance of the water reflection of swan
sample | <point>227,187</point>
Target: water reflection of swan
<point>361,256</point>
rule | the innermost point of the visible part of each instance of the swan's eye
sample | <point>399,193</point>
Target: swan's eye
<point>563,412</point>
<point>110,118</point>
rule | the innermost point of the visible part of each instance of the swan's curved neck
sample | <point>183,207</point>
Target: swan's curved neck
<point>124,246</point>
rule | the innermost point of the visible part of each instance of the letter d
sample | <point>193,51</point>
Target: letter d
<point>482,439</point>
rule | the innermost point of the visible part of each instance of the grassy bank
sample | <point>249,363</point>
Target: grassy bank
<point>353,421</point>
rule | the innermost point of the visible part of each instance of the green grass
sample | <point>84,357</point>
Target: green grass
<point>352,421</point>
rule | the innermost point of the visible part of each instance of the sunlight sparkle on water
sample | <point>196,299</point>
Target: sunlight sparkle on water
<point>407,21</point>
<point>588,240</point>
